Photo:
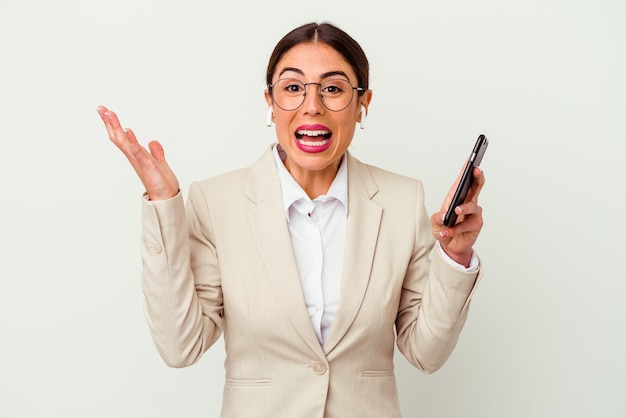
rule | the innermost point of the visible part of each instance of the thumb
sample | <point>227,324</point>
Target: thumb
<point>157,151</point>
<point>439,230</point>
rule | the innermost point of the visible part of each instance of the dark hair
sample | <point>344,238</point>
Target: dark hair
<point>329,35</point>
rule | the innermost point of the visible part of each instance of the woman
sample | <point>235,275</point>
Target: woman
<point>307,259</point>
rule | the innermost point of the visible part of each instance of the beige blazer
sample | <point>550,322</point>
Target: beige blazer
<point>225,264</point>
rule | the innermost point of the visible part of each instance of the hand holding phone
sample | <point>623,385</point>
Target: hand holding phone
<point>466,179</point>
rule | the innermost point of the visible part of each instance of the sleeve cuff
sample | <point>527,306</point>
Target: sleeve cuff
<point>474,264</point>
<point>147,197</point>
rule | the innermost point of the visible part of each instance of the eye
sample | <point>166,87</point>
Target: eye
<point>334,87</point>
<point>292,86</point>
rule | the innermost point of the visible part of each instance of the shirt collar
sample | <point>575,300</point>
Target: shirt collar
<point>292,191</point>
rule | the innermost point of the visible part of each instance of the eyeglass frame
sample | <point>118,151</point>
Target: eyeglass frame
<point>270,87</point>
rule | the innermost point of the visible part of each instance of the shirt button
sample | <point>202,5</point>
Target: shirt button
<point>156,247</point>
<point>319,368</point>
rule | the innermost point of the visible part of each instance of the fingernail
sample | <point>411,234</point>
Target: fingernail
<point>443,233</point>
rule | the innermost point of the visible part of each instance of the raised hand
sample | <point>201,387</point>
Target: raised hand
<point>457,241</point>
<point>153,171</point>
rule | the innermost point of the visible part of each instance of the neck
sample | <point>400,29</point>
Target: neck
<point>314,183</point>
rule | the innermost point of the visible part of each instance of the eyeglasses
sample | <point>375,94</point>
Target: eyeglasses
<point>335,94</point>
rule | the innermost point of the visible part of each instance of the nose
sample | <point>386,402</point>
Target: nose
<point>312,98</point>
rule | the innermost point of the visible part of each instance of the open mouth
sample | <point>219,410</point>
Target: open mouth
<point>313,137</point>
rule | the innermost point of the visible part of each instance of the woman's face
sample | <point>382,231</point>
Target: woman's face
<point>313,137</point>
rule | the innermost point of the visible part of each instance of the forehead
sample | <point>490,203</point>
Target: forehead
<point>314,60</point>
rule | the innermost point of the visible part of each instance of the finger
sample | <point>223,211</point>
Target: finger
<point>439,230</point>
<point>124,138</point>
<point>451,192</point>
<point>114,123</point>
<point>477,184</point>
<point>104,115</point>
<point>436,219</point>
<point>158,154</point>
<point>137,155</point>
<point>470,223</point>
<point>117,134</point>
<point>465,234</point>
<point>146,163</point>
<point>467,209</point>
<point>101,110</point>
<point>126,141</point>
<point>479,175</point>
<point>133,144</point>
<point>156,149</point>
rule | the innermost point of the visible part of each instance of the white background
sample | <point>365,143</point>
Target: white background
<point>543,79</point>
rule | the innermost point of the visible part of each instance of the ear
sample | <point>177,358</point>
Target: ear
<point>268,98</point>
<point>364,103</point>
<point>270,109</point>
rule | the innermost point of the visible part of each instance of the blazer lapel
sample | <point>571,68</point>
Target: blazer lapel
<point>363,223</point>
<point>270,230</point>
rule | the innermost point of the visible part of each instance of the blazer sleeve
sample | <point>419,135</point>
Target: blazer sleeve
<point>180,280</point>
<point>434,301</point>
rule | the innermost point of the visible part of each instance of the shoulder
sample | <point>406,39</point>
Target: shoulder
<point>224,180</point>
<point>219,188</point>
<point>380,179</point>
<point>385,175</point>
<point>254,183</point>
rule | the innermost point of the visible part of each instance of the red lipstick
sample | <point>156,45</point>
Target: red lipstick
<point>313,138</point>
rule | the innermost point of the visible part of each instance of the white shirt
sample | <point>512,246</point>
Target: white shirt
<point>318,235</point>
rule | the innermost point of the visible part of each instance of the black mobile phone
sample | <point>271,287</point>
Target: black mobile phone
<point>466,179</point>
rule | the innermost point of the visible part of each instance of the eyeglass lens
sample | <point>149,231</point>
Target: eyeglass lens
<point>335,94</point>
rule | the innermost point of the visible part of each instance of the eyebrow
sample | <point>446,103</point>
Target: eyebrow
<point>325,75</point>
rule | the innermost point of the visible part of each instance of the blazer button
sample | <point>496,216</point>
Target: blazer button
<point>156,247</point>
<point>319,368</point>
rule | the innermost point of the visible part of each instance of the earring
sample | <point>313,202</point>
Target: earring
<point>363,113</point>
<point>270,113</point>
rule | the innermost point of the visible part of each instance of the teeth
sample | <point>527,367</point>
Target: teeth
<point>312,133</point>
<point>313,143</point>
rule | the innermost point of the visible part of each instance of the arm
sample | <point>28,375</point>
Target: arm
<point>183,297</point>
<point>183,306</point>
<point>434,302</point>
<point>432,312</point>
